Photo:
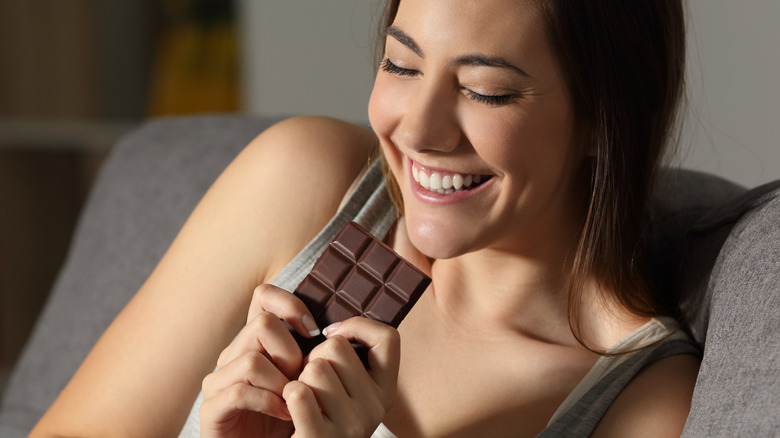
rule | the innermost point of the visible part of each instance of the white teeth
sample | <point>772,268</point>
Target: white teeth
<point>457,181</point>
<point>446,182</point>
<point>435,181</point>
<point>445,185</point>
<point>425,180</point>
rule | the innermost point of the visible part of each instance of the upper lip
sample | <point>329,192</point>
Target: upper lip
<point>445,169</point>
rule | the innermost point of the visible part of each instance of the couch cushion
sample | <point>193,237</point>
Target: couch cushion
<point>680,199</point>
<point>731,298</point>
<point>144,193</point>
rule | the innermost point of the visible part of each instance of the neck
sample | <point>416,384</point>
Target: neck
<point>490,293</point>
<point>520,290</point>
<point>500,290</point>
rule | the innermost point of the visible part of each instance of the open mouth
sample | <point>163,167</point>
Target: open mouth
<point>446,183</point>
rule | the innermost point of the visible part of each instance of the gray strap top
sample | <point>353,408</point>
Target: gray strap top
<point>370,206</point>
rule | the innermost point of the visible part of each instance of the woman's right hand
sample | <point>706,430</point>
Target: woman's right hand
<point>243,397</point>
<point>330,393</point>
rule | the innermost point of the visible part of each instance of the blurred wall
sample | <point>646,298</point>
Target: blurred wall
<point>308,57</point>
<point>314,57</point>
<point>734,83</point>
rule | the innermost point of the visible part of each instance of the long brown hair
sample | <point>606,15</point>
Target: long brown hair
<point>624,63</point>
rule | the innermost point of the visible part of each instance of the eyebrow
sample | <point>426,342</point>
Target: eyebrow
<point>479,60</point>
<point>489,61</point>
<point>404,39</point>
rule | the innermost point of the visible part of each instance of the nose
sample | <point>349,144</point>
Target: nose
<point>430,122</point>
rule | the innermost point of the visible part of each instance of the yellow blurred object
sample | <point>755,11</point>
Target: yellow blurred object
<point>196,69</point>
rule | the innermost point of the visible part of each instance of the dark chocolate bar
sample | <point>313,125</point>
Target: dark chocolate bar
<point>359,275</point>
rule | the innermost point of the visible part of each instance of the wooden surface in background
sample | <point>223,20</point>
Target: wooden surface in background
<point>47,48</point>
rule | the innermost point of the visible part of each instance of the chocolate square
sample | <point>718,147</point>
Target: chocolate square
<point>358,275</point>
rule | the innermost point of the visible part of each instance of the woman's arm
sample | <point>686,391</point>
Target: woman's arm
<point>144,373</point>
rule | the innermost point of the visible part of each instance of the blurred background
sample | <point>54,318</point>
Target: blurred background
<point>75,75</point>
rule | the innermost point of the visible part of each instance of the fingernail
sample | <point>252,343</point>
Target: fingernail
<point>310,325</point>
<point>331,328</point>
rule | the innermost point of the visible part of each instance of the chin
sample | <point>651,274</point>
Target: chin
<point>436,240</point>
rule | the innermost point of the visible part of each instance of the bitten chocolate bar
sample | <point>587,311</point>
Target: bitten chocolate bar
<point>359,275</point>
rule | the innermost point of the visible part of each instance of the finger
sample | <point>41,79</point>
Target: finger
<point>227,404</point>
<point>353,376</point>
<point>252,368</point>
<point>384,344</point>
<point>304,409</point>
<point>286,306</point>
<point>267,335</point>
<point>333,399</point>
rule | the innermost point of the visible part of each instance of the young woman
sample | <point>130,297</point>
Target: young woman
<point>520,139</point>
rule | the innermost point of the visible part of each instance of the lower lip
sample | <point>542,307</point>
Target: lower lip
<point>430,197</point>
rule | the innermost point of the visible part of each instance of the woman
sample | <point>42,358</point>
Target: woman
<point>521,138</point>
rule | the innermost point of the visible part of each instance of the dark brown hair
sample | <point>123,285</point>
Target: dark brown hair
<point>624,63</point>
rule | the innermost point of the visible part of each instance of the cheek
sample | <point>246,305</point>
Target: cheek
<point>385,110</point>
<point>381,109</point>
<point>540,136</point>
<point>497,138</point>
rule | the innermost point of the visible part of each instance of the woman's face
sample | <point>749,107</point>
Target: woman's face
<point>476,124</point>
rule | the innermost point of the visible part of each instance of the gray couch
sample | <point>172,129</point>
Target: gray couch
<point>716,245</point>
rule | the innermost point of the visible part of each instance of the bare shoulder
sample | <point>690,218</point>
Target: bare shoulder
<point>655,403</point>
<point>316,143</point>
<point>302,167</point>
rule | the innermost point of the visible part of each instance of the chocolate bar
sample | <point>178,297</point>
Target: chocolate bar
<point>359,275</point>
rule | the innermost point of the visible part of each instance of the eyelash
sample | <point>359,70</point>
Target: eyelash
<point>391,68</point>
<point>500,100</point>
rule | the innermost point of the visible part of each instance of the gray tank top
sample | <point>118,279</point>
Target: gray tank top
<point>370,206</point>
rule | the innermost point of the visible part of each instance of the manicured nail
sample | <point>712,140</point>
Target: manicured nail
<point>310,325</point>
<point>330,329</point>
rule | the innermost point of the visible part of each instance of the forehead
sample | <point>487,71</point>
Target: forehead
<point>493,26</point>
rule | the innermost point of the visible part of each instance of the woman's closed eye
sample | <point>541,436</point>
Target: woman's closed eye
<point>490,100</point>
<point>486,99</point>
<point>391,68</point>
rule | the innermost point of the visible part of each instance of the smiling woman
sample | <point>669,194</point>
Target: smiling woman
<point>521,166</point>
<point>477,118</point>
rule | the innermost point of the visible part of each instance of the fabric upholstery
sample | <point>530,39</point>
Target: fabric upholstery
<point>156,175</point>
<point>145,191</point>
<point>732,301</point>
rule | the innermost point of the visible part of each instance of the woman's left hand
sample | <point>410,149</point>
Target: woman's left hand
<point>335,396</point>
